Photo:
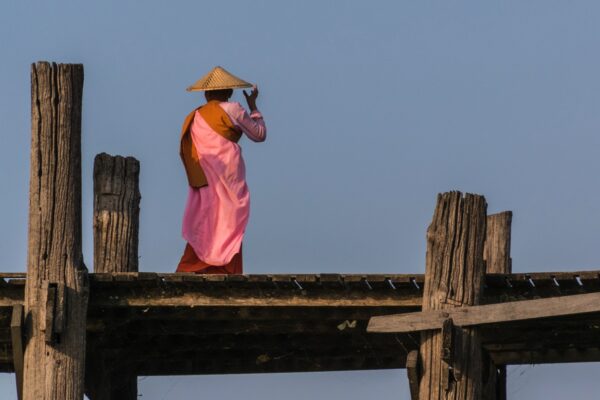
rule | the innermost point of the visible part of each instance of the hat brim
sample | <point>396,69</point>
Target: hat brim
<point>243,86</point>
<point>218,79</point>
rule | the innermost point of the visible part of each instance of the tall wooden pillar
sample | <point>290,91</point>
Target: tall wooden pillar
<point>451,358</point>
<point>56,292</point>
<point>116,226</point>
<point>498,261</point>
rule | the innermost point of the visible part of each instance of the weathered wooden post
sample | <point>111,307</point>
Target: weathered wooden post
<point>497,243</point>
<point>116,213</point>
<point>116,227</point>
<point>497,259</point>
<point>56,292</point>
<point>451,358</point>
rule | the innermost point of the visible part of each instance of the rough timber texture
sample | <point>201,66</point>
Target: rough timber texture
<point>116,229</point>
<point>55,369</point>
<point>453,277</point>
<point>116,213</point>
<point>497,243</point>
<point>497,259</point>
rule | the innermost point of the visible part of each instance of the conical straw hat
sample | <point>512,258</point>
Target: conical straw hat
<point>218,78</point>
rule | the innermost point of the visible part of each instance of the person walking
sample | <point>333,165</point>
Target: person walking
<point>218,202</point>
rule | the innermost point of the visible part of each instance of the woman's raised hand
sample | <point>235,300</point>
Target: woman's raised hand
<point>251,98</point>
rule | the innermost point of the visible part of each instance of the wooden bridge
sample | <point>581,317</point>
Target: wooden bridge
<point>178,324</point>
<point>64,331</point>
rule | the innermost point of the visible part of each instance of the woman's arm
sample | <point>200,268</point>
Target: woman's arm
<point>253,124</point>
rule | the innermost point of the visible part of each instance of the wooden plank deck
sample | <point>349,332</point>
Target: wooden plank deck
<point>166,324</point>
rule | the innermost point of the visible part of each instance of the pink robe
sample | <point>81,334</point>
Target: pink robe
<point>215,216</point>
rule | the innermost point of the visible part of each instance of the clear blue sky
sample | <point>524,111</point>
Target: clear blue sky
<point>372,109</point>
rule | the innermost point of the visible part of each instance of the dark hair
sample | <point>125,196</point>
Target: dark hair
<point>219,93</point>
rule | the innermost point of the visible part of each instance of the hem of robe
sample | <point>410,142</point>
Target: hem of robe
<point>191,263</point>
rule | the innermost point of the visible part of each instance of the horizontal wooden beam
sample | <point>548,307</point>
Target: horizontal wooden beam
<point>253,278</point>
<point>561,277</point>
<point>199,363</point>
<point>124,289</point>
<point>325,345</point>
<point>196,328</point>
<point>547,356</point>
<point>111,318</point>
<point>487,314</point>
<point>199,299</point>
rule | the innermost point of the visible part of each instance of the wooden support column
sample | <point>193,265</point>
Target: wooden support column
<point>412,371</point>
<point>116,213</point>
<point>498,261</point>
<point>56,292</point>
<point>116,226</point>
<point>497,243</point>
<point>451,358</point>
<point>16,333</point>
